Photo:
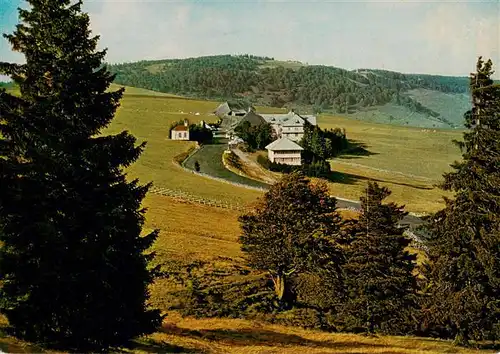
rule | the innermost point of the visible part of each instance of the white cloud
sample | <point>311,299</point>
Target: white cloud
<point>405,35</point>
<point>460,35</point>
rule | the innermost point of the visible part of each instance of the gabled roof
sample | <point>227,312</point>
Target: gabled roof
<point>283,144</point>
<point>236,107</point>
<point>222,110</point>
<point>181,128</point>
<point>253,118</point>
<point>231,122</point>
<point>289,119</point>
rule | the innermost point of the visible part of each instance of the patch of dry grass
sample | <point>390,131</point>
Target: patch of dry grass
<point>192,231</point>
<point>214,336</point>
<point>242,337</point>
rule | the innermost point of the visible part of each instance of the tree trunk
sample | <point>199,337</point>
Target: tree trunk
<point>461,338</point>
<point>279,286</point>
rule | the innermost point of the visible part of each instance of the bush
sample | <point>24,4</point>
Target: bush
<point>317,291</point>
<point>301,317</point>
<point>179,159</point>
<point>315,169</point>
<point>200,134</point>
<point>245,147</point>
<point>214,291</point>
<point>276,167</point>
<point>264,161</point>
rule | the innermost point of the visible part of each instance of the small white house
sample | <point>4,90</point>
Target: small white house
<point>285,151</point>
<point>180,132</point>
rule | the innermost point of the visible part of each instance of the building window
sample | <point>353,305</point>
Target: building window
<point>185,134</point>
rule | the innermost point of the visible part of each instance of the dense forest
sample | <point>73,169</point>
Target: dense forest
<point>265,81</point>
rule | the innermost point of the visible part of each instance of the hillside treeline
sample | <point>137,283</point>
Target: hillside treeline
<point>323,87</point>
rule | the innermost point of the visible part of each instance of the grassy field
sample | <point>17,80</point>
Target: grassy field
<point>412,152</point>
<point>410,161</point>
<point>140,91</point>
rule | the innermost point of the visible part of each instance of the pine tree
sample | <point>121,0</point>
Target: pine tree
<point>73,266</point>
<point>294,229</point>
<point>380,285</point>
<point>464,257</point>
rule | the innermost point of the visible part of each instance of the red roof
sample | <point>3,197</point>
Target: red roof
<point>181,128</point>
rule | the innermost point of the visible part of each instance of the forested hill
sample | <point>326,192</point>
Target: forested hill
<point>266,81</point>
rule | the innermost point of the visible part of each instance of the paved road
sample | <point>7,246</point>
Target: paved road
<point>410,220</point>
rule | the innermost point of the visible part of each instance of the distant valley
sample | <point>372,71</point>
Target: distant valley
<point>378,96</point>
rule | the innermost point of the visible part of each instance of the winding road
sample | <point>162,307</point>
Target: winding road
<point>411,221</point>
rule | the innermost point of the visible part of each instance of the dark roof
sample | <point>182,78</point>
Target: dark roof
<point>236,106</point>
<point>253,118</point>
<point>222,110</point>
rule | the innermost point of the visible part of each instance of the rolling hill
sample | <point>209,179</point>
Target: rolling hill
<point>375,95</point>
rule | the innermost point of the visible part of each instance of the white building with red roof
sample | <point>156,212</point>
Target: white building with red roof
<point>180,131</point>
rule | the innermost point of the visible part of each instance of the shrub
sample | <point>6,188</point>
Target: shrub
<point>315,169</point>
<point>301,317</point>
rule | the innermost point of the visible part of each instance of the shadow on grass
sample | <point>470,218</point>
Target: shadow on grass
<point>153,346</point>
<point>260,337</point>
<point>355,150</point>
<point>347,178</point>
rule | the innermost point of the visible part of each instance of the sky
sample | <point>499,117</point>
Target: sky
<point>432,37</point>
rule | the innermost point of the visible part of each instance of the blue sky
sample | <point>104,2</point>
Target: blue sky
<point>436,37</point>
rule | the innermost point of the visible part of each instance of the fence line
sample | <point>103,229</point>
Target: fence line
<point>185,197</point>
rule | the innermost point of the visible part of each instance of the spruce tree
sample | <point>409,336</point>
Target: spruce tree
<point>379,280</point>
<point>73,264</point>
<point>464,257</point>
<point>294,229</point>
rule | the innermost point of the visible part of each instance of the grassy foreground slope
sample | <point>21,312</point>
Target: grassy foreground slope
<point>215,336</point>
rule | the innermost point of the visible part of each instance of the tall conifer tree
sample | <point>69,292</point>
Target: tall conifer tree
<point>464,259</point>
<point>381,288</point>
<point>73,266</point>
